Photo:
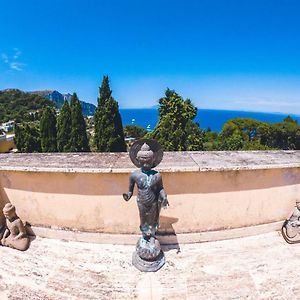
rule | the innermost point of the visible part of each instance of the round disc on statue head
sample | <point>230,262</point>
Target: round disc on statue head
<point>154,146</point>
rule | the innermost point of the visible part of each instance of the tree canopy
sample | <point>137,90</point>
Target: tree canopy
<point>109,135</point>
<point>27,138</point>
<point>78,139</point>
<point>176,130</point>
<point>64,123</point>
<point>250,134</point>
<point>48,130</point>
<point>134,131</point>
<point>20,106</point>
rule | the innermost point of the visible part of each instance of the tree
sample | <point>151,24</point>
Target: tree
<point>289,119</point>
<point>134,131</point>
<point>109,135</point>
<point>78,139</point>
<point>64,128</point>
<point>48,130</point>
<point>176,130</point>
<point>286,135</point>
<point>27,138</point>
<point>195,137</point>
<point>20,106</point>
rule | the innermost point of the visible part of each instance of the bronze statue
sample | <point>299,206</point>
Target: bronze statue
<point>147,154</point>
<point>15,235</point>
<point>291,227</point>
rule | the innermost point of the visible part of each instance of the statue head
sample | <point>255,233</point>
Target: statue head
<point>146,153</point>
<point>9,211</point>
<point>145,156</point>
<point>298,203</point>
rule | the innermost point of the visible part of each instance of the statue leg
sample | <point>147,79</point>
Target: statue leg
<point>149,216</point>
<point>19,244</point>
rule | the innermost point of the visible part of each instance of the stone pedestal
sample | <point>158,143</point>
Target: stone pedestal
<point>148,256</point>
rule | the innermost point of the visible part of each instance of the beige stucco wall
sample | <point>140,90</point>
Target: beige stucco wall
<point>199,201</point>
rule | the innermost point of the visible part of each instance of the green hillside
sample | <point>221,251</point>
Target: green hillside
<point>20,106</point>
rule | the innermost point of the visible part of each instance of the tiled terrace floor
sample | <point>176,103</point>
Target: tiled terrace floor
<point>260,267</point>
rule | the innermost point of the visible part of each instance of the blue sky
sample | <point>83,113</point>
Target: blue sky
<point>233,54</point>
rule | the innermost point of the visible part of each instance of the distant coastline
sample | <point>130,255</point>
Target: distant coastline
<point>212,118</point>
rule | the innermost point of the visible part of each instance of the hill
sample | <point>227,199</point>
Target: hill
<point>58,98</point>
<point>20,106</point>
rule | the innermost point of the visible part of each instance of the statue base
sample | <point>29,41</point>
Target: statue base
<point>148,256</point>
<point>290,232</point>
<point>146,265</point>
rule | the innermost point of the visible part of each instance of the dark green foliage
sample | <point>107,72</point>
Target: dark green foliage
<point>289,119</point>
<point>78,141</point>
<point>195,137</point>
<point>210,140</point>
<point>27,138</point>
<point>134,131</point>
<point>286,135</point>
<point>109,135</point>
<point>249,134</point>
<point>17,105</point>
<point>48,130</point>
<point>176,130</point>
<point>64,128</point>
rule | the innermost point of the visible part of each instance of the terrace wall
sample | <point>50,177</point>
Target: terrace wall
<point>212,195</point>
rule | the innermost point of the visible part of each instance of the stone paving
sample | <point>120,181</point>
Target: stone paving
<point>259,267</point>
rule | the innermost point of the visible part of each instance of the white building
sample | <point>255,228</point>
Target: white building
<point>8,126</point>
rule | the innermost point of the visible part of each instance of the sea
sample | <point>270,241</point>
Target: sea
<point>207,118</point>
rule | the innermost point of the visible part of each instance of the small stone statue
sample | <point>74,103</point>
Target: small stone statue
<point>147,154</point>
<point>15,235</point>
<point>291,227</point>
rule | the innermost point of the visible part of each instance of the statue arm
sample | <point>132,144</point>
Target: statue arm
<point>22,230</point>
<point>128,195</point>
<point>294,219</point>
<point>162,194</point>
<point>6,233</point>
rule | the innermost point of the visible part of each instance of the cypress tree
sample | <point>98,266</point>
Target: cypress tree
<point>109,134</point>
<point>78,139</point>
<point>48,130</point>
<point>27,138</point>
<point>64,128</point>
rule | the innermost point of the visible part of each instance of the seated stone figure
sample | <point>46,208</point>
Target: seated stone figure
<point>15,235</point>
<point>291,227</point>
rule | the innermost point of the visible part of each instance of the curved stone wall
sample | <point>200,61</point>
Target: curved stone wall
<point>208,192</point>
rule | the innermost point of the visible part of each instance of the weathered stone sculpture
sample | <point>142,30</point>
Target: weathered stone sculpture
<point>15,235</point>
<point>291,227</point>
<point>147,154</point>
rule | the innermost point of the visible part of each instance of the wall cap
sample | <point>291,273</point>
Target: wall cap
<point>198,161</point>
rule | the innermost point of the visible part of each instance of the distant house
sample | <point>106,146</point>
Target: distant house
<point>8,126</point>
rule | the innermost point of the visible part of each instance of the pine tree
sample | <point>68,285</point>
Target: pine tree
<point>78,141</point>
<point>48,130</point>
<point>64,128</point>
<point>176,130</point>
<point>109,134</point>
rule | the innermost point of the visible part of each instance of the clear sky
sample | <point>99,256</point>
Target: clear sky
<point>227,54</point>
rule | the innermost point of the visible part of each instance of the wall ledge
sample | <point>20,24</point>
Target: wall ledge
<point>198,161</point>
<point>131,239</point>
